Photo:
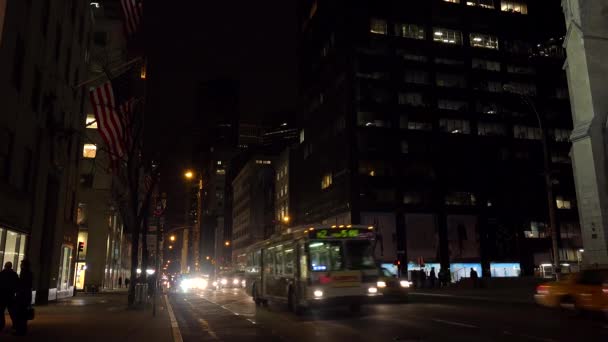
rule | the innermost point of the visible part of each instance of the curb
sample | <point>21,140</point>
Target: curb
<point>476,298</point>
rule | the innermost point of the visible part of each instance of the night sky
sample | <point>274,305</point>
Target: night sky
<point>253,42</point>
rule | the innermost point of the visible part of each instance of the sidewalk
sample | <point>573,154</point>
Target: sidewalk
<point>512,296</point>
<point>100,317</point>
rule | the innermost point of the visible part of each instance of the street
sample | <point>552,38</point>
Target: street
<point>230,315</point>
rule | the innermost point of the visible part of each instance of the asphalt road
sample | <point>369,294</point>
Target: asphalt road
<point>230,315</point>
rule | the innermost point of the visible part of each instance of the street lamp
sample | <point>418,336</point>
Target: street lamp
<point>172,238</point>
<point>547,173</point>
<point>286,219</point>
<point>227,243</point>
<point>189,174</point>
<point>170,247</point>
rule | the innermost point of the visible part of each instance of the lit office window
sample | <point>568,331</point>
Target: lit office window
<point>409,31</point>
<point>416,76</point>
<point>491,129</point>
<point>378,26</point>
<point>562,203</point>
<point>522,88</point>
<point>326,181</point>
<point>447,36</point>
<point>484,64</point>
<point>562,135</point>
<point>484,41</point>
<point>412,99</point>
<point>405,123</point>
<point>454,126</point>
<point>91,122</point>
<point>514,7</point>
<point>264,162</point>
<point>453,1</point>
<point>456,105</point>
<point>450,80</point>
<point>89,151</point>
<point>527,132</point>
<point>481,3</point>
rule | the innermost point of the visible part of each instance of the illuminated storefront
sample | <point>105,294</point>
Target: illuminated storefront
<point>12,247</point>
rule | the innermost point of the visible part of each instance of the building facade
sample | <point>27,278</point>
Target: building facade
<point>253,203</point>
<point>43,55</point>
<point>586,43</point>
<point>417,120</point>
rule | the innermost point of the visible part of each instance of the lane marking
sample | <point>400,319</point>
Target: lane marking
<point>530,337</point>
<point>458,324</point>
<point>208,329</point>
<point>177,335</point>
<point>250,320</point>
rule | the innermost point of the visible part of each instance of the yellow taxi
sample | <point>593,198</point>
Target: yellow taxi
<point>584,291</point>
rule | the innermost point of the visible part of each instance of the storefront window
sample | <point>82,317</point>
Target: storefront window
<point>63,282</point>
<point>12,247</point>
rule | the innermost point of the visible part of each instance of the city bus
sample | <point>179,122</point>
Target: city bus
<point>313,267</point>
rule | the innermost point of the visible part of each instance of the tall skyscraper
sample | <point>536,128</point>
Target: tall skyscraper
<point>419,119</point>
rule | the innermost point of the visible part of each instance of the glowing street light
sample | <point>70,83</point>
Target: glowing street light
<point>170,247</point>
<point>189,174</point>
<point>286,219</point>
<point>207,257</point>
<point>172,238</point>
<point>227,243</point>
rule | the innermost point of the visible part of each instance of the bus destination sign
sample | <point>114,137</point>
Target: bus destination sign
<point>338,233</point>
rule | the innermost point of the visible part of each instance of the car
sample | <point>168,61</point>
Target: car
<point>584,291</point>
<point>234,279</point>
<point>391,286</point>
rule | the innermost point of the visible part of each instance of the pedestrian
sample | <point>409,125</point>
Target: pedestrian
<point>119,282</point>
<point>23,300</point>
<point>441,276</point>
<point>432,277</point>
<point>422,279</point>
<point>127,281</point>
<point>8,288</point>
<point>475,277</point>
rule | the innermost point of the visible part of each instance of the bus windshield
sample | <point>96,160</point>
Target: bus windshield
<point>326,255</point>
<point>359,254</point>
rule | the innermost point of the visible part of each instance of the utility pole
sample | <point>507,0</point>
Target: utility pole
<point>548,182</point>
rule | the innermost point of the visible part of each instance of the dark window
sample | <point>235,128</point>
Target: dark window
<point>44,23</point>
<point>68,61</point>
<point>17,76</point>
<point>27,169</point>
<point>81,31</point>
<point>100,38</point>
<point>58,42</point>
<point>6,149</point>
<point>36,91</point>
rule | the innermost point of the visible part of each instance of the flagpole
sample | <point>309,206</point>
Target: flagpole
<point>105,73</point>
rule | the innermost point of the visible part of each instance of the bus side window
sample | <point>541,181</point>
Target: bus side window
<point>257,261</point>
<point>279,263</point>
<point>268,261</point>
<point>303,263</point>
<point>288,259</point>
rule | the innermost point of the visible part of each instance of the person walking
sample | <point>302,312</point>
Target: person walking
<point>475,277</point>
<point>127,281</point>
<point>119,282</point>
<point>432,278</point>
<point>23,300</point>
<point>8,287</point>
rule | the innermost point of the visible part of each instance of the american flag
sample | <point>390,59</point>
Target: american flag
<point>133,11</point>
<point>113,108</point>
<point>109,123</point>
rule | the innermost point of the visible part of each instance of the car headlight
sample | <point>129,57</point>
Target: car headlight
<point>224,281</point>
<point>372,290</point>
<point>243,283</point>
<point>214,283</point>
<point>405,283</point>
<point>235,281</point>
<point>318,293</point>
<point>381,284</point>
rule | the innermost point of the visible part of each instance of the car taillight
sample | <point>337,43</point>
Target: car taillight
<point>605,290</point>
<point>542,289</point>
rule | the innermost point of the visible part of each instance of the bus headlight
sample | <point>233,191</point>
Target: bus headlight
<point>224,281</point>
<point>235,281</point>
<point>404,283</point>
<point>381,284</point>
<point>372,290</point>
<point>318,293</point>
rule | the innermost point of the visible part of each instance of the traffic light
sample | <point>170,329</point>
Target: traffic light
<point>397,262</point>
<point>80,246</point>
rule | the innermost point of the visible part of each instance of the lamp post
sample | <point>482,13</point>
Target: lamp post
<point>547,175</point>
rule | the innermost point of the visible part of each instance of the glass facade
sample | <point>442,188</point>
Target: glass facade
<point>12,247</point>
